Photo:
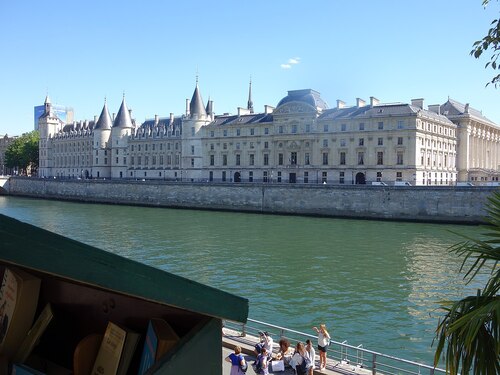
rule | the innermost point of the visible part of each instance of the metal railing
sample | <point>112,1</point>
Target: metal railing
<point>342,357</point>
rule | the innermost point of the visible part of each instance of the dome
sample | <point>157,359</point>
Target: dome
<point>306,96</point>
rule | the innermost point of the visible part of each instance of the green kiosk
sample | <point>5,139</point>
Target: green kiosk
<point>87,288</point>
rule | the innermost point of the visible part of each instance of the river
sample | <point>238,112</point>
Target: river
<point>375,283</point>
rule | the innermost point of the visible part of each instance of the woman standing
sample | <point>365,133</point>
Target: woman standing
<point>298,357</point>
<point>237,360</point>
<point>311,354</point>
<point>323,342</point>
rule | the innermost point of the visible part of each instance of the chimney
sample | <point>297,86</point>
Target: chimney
<point>419,103</point>
<point>374,101</point>
<point>340,104</point>
<point>436,108</point>
<point>130,113</point>
<point>95,119</point>
<point>171,118</point>
<point>187,107</point>
<point>243,111</point>
<point>113,118</point>
<point>157,119</point>
<point>268,109</point>
<point>360,103</point>
<point>466,109</point>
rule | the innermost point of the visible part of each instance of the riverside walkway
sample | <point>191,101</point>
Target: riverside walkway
<point>342,358</point>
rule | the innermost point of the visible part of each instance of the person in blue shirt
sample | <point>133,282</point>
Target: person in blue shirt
<point>237,361</point>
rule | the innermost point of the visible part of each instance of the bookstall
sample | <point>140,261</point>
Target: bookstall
<point>87,297</point>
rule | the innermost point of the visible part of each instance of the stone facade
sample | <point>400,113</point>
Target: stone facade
<point>301,140</point>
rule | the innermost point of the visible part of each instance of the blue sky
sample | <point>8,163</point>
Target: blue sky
<point>83,51</point>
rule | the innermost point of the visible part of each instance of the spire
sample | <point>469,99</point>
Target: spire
<point>123,119</point>
<point>250,103</point>
<point>196,106</point>
<point>104,122</point>
<point>210,106</point>
<point>47,100</point>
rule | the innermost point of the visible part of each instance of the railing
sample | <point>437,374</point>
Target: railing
<point>342,356</point>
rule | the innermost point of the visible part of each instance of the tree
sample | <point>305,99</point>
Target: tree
<point>22,153</point>
<point>490,42</point>
<point>470,329</point>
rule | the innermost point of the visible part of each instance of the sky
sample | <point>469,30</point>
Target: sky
<point>82,53</point>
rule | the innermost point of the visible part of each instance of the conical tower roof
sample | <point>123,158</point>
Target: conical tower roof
<point>196,106</point>
<point>104,122</point>
<point>123,119</point>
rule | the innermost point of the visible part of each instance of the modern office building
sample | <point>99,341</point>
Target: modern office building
<point>300,140</point>
<point>66,114</point>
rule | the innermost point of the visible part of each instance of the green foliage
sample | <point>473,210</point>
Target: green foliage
<point>490,42</point>
<point>469,333</point>
<point>22,153</point>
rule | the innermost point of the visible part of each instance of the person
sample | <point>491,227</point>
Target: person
<point>266,341</point>
<point>285,352</point>
<point>298,357</point>
<point>261,364</point>
<point>237,360</point>
<point>311,353</point>
<point>323,342</point>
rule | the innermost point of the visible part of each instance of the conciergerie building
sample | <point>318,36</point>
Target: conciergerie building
<point>300,140</point>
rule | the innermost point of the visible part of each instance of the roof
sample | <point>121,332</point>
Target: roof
<point>196,106</point>
<point>123,119</point>
<point>307,96</point>
<point>227,120</point>
<point>38,249</point>
<point>453,108</point>
<point>104,122</point>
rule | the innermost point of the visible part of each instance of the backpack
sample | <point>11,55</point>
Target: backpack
<point>306,363</point>
<point>243,367</point>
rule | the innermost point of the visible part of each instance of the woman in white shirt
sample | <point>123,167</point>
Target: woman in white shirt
<point>311,353</point>
<point>323,342</point>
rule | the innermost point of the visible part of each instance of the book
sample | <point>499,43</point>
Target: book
<point>18,301</point>
<point>160,338</point>
<point>34,334</point>
<point>116,350</point>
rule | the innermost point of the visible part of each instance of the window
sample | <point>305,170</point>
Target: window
<point>294,129</point>
<point>361,142</point>
<point>343,127</point>
<point>224,176</point>
<point>400,140</point>
<point>224,133</point>
<point>139,161</point>
<point>399,176</point>
<point>342,158</point>
<point>279,177</point>
<point>325,128</point>
<point>293,158</point>
<point>124,160</point>
<point>238,159</point>
<point>252,131</point>
<point>342,177</point>
<point>192,132</point>
<point>306,158</point>
<point>211,146</point>
<point>250,176</point>
<point>325,158</point>
<point>192,150</point>
<point>325,142</point>
<point>379,176</point>
<point>264,176</point>
<point>380,125</point>
<point>131,160</point>
<point>146,160</point>
<point>238,145</point>
<point>380,158</point>
<point>361,158</point>
<point>212,133</point>
<point>145,148</point>
<point>280,129</point>
<point>280,159</point>
<point>224,146</point>
<point>401,124</point>
<point>266,130</point>
<point>161,159</point>
<point>324,177</point>
<point>361,126</point>
<point>251,145</point>
<point>252,159</point>
<point>116,159</point>
<point>306,177</point>
<point>266,144</point>
<point>224,159</point>
<point>192,162</point>
<point>238,131</point>
<point>399,157</point>
<point>212,160</point>
<point>308,128</point>
<point>380,141</point>
<point>266,159</point>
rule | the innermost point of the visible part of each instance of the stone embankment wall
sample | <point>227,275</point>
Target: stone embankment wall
<point>429,204</point>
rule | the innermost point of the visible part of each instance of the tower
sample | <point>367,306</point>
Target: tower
<point>48,125</point>
<point>120,132</point>
<point>192,123</point>
<point>250,103</point>
<point>101,139</point>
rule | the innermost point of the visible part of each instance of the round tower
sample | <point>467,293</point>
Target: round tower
<point>101,166</point>
<point>120,133</point>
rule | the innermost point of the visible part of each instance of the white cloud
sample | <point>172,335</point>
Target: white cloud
<point>294,60</point>
<point>286,66</point>
<point>291,61</point>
